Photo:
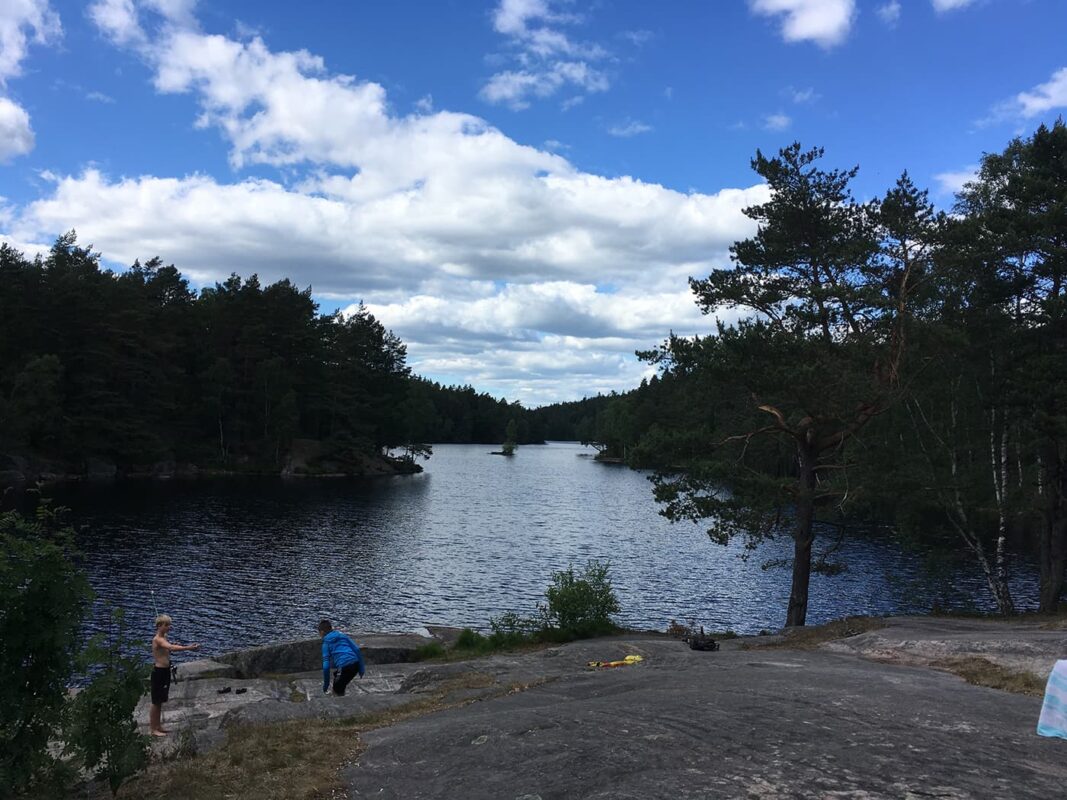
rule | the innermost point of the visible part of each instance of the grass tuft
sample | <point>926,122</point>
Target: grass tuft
<point>983,672</point>
<point>299,760</point>
<point>296,760</point>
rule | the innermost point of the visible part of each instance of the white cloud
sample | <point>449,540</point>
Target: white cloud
<point>1043,98</point>
<point>825,22</point>
<point>100,97</point>
<point>16,135</point>
<point>515,89</point>
<point>941,6</point>
<point>803,96</point>
<point>122,20</point>
<point>638,38</point>
<point>177,12</point>
<point>511,16</point>
<point>1046,97</point>
<point>777,122</point>
<point>414,213</point>
<point>890,13</point>
<point>117,19</point>
<point>22,23</point>
<point>517,229</point>
<point>560,340</point>
<point>952,182</point>
<point>629,128</point>
<point>561,308</point>
<point>547,59</point>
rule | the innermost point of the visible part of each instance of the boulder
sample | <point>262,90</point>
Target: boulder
<point>306,655</point>
<point>205,668</point>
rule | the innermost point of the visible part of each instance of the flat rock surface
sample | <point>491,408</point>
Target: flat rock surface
<point>1018,645</point>
<point>202,709</point>
<point>205,668</point>
<point>766,723</point>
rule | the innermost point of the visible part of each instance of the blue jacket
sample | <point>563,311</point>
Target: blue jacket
<point>338,651</point>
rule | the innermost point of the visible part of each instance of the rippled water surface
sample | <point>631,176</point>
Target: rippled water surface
<point>240,562</point>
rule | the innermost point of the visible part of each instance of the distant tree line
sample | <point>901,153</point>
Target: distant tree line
<point>135,367</point>
<point>878,362</point>
<point>461,415</point>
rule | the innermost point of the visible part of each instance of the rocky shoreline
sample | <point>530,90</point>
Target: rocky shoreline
<point>870,715</point>
<point>306,459</point>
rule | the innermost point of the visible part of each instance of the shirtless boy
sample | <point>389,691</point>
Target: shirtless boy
<point>161,650</point>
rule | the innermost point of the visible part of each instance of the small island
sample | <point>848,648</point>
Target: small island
<point>509,446</point>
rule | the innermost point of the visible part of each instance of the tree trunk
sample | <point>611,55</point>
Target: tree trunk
<point>1053,562</point>
<point>998,451</point>
<point>998,585</point>
<point>802,539</point>
<point>1053,544</point>
<point>222,440</point>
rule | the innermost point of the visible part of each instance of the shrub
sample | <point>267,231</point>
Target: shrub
<point>511,630</point>
<point>429,650</point>
<point>679,630</point>
<point>470,640</point>
<point>42,597</point>
<point>581,605</point>
<point>102,732</point>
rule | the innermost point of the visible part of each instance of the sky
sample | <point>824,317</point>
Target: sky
<point>519,189</point>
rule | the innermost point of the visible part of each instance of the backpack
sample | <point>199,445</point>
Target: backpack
<point>701,641</point>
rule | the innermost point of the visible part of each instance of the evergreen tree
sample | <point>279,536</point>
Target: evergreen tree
<point>828,287</point>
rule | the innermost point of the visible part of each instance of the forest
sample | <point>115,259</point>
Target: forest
<point>134,368</point>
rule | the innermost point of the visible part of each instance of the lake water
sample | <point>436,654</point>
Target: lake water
<point>239,562</point>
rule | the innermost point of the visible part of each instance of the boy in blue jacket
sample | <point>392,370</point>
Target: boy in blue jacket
<point>338,653</point>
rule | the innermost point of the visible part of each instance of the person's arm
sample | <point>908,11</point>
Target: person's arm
<point>325,667</point>
<point>177,648</point>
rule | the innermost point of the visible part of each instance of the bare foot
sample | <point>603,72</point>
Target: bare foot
<point>161,732</point>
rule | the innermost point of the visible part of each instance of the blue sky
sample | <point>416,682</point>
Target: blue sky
<point>519,188</point>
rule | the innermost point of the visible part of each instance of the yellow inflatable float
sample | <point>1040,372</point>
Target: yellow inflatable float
<point>623,663</point>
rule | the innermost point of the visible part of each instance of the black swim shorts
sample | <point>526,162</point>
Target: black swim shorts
<point>160,685</point>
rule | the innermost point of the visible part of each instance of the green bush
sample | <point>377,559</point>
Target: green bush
<point>101,731</point>
<point>42,600</point>
<point>512,630</point>
<point>428,651</point>
<point>580,605</point>
<point>43,597</point>
<point>471,640</point>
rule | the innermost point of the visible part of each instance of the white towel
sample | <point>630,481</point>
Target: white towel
<point>1053,720</point>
